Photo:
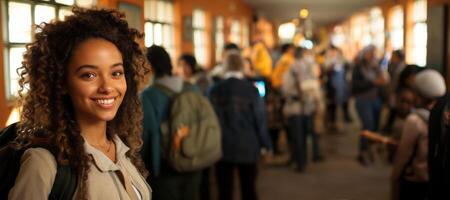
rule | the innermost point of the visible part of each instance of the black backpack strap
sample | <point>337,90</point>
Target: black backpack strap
<point>8,134</point>
<point>64,185</point>
<point>65,182</point>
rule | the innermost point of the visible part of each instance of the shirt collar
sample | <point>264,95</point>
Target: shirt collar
<point>101,161</point>
<point>233,74</point>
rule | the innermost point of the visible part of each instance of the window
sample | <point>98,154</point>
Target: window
<point>218,38</point>
<point>396,23</point>
<point>361,35</point>
<point>22,18</point>
<point>377,27</point>
<point>198,24</point>
<point>419,44</point>
<point>235,32</point>
<point>158,25</point>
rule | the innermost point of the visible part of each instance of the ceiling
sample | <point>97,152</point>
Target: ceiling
<point>322,12</point>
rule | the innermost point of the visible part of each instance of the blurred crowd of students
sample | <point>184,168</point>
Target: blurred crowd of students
<point>301,94</point>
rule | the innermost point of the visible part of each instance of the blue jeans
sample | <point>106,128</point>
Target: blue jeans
<point>299,127</point>
<point>369,112</point>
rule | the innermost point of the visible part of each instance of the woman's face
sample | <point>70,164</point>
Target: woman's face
<point>96,81</point>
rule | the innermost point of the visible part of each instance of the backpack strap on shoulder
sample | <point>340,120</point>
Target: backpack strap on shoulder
<point>165,90</point>
<point>65,183</point>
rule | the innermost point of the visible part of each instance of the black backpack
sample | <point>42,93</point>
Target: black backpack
<point>65,182</point>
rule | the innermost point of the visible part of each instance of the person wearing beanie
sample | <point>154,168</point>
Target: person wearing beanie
<point>410,171</point>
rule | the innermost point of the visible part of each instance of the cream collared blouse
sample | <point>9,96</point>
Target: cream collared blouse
<point>38,171</point>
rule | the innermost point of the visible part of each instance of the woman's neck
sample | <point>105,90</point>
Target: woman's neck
<point>94,133</point>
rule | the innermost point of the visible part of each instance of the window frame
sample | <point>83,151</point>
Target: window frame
<point>200,48</point>
<point>8,45</point>
<point>155,19</point>
<point>423,44</point>
<point>219,37</point>
<point>395,27</point>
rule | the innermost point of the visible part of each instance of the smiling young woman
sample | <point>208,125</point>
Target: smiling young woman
<point>82,76</point>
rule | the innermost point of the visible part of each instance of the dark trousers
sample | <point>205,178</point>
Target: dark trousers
<point>410,190</point>
<point>332,112</point>
<point>205,190</point>
<point>275,135</point>
<point>369,112</point>
<point>300,126</point>
<point>247,177</point>
<point>176,186</point>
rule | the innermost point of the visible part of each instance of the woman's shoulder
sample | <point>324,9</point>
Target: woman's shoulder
<point>36,175</point>
<point>39,157</point>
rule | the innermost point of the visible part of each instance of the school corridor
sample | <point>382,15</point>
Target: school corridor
<point>225,99</point>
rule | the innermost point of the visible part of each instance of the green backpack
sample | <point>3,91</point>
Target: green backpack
<point>202,147</point>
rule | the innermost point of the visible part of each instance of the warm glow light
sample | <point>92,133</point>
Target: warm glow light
<point>304,13</point>
<point>13,117</point>
<point>308,44</point>
<point>286,31</point>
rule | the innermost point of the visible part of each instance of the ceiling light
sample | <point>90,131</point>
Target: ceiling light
<point>304,13</point>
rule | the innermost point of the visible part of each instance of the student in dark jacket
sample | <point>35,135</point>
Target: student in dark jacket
<point>241,114</point>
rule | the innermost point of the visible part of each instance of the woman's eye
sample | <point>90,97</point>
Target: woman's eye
<point>117,74</point>
<point>88,75</point>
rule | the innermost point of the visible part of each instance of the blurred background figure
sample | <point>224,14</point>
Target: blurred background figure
<point>337,71</point>
<point>367,78</point>
<point>242,117</point>
<point>301,89</point>
<point>166,182</point>
<point>187,67</point>
<point>260,57</point>
<point>274,99</point>
<point>217,72</point>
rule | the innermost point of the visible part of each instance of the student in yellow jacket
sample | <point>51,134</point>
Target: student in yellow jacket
<point>283,65</point>
<point>261,60</point>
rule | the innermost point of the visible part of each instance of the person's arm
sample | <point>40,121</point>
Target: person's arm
<point>377,137</point>
<point>405,150</point>
<point>36,175</point>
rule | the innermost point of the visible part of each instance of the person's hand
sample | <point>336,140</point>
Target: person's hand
<point>182,132</point>
<point>380,81</point>
<point>267,156</point>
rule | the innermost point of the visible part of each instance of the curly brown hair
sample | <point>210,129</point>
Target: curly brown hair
<point>46,106</point>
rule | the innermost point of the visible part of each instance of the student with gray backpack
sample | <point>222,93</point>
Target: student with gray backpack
<point>180,131</point>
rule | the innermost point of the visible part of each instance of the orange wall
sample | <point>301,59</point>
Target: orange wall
<point>5,107</point>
